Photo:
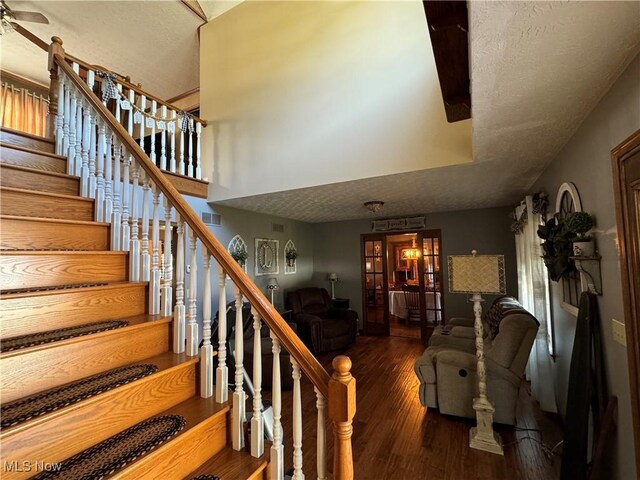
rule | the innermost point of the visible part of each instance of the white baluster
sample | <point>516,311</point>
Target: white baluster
<point>154,109</point>
<point>172,161</point>
<point>154,282</point>
<point>192,326</point>
<point>321,404</point>
<point>71,152</point>
<point>181,164</point>
<point>297,423</point>
<point>66,118</point>
<point>134,251</point>
<point>86,145</point>
<point>100,173</point>
<point>179,310</point>
<point>93,145</point>
<point>60,116</point>
<point>239,402</point>
<point>143,106</point>
<point>257,421</point>
<point>277,448</point>
<point>77,163</point>
<point>125,233</point>
<point>108,177</point>
<point>198,150</point>
<point>206,352</point>
<point>190,166</point>
<point>222,372</point>
<point>116,224</point>
<point>163,139</point>
<point>167,289</point>
<point>146,258</point>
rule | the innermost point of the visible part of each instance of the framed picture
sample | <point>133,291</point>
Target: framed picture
<point>267,257</point>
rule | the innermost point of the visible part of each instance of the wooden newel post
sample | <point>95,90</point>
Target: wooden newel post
<point>54,49</point>
<point>342,408</point>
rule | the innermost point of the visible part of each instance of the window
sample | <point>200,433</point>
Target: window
<point>568,201</point>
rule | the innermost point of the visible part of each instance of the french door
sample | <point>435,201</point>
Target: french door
<point>380,281</point>
<point>375,287</point>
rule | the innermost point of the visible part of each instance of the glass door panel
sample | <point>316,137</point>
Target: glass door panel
<point>375,285</point>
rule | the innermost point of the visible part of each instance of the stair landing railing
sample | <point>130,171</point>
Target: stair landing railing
<point>129,191</point>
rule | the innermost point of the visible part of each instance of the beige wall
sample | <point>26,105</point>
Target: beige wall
<point>309,93</point>
<point>586,161</point>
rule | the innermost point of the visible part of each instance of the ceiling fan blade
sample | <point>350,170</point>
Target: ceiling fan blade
<point>30,36</point>
<point>34,17</point>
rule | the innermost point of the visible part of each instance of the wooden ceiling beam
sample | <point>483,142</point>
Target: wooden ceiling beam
<point>448,23</point>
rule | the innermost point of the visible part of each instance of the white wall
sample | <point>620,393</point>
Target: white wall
<point>300,94</point>
<point>586,161</point>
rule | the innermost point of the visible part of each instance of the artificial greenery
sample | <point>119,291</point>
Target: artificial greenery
<point>558,235</point>
<point>291,254</point>
<point>240,255</point>
<point>557,247</point>
<point>579,223</point>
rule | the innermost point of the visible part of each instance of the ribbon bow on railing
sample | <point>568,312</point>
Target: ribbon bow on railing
<point>109,89</point>
<point>186,122</point>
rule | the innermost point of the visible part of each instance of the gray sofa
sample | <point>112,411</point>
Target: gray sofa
<point>447,369</point>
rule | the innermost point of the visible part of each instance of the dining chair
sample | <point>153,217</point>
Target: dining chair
<point>412,302</point>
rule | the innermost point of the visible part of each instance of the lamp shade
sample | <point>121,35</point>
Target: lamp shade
<point>476,273</point>
<point>332,277</point>
<point>272,283</point>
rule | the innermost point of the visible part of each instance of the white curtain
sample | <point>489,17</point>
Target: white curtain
<point>533,287</point>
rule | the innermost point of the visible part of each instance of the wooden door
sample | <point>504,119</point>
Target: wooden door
<point>375,289</point>
<point>626,178</point>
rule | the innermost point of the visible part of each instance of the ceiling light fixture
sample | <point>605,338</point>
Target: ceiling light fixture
<point>374,206</point>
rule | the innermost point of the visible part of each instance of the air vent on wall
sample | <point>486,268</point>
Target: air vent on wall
<point>211,218</point>
<point>278,227</point>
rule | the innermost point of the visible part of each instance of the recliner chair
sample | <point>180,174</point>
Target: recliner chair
<point>447,372</point>
<point>321,327</point>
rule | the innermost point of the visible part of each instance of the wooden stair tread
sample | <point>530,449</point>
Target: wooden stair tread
<point>33,151</point>
<point>196,411</point>
<point>232,465</point>
<point>52,220</point>
<point>11,166</point>
<point>59,291</point>
<point>165,361</point>
<point>29,135</point>
<point>135,323</point>
<point>47,194</point>
<point>7,253</point>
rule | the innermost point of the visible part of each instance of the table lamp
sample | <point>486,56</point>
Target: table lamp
<point>333,278</point>
<point>272,286</point>
<point>476,274</point>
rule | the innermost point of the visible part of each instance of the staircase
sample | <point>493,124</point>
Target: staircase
<point>101,372</point>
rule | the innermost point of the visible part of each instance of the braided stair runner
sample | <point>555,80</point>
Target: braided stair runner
<point>206,477</point>
<point>40,338</point>
<point>54,287</point>
<point>42,403</point>
<point>117,452</point>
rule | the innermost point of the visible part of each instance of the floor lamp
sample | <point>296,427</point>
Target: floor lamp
<point>333,278</point>
<point>476,274</point>
<point>272,286</point>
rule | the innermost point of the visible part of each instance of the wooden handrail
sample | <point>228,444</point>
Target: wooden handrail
<point>288,338</point>
<point>126,83</point>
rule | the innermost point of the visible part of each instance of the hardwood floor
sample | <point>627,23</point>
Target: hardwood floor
<point>395,438</point>
<point>399,328</point>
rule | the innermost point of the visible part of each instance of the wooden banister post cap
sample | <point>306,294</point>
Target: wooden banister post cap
<point>342,366</point>
<point>57,40</point>
<point>342,391</point>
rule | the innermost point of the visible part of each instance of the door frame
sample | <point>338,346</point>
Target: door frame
<point>626,179</point>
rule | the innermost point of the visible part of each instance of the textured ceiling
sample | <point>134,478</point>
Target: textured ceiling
<point>537,70</point>
<point>155,42</point>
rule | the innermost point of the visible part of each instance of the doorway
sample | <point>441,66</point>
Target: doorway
<point>401,282</point>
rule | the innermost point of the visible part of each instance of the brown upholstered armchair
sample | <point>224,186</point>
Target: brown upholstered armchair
<point>320,326</point>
